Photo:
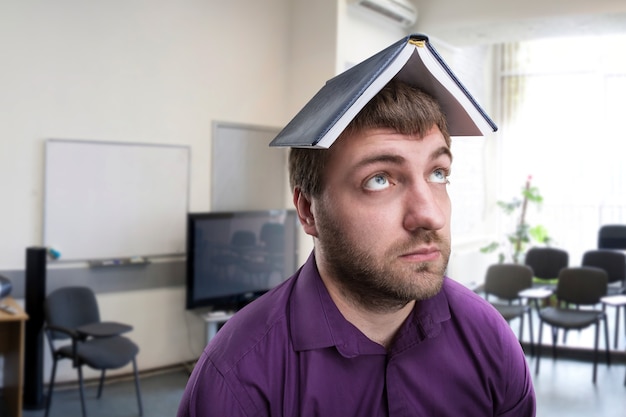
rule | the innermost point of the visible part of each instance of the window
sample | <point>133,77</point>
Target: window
<point>563,122</point>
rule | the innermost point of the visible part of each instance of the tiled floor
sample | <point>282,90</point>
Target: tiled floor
<point>161,393</point>
<point>563,386</point>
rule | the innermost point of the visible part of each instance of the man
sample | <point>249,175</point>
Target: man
<point>369,326</point>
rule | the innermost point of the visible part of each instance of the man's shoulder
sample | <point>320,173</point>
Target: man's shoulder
<point>463,301</point>
<point>457,291</point>
<point>262,322</point>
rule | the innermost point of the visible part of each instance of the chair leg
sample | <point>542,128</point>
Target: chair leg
<point>539,347</point>
<point>81,389</point>
<point>595,353</point>
<point>51,386</point>
<point>617,308</point>
<point>555,336</point>
<point>137,387</point>
<point>101,383</point>
<point>530,329</point>
<point>624,320</point>
<point>606,340</point>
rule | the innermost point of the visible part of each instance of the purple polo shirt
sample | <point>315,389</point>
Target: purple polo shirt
<point>292,353</point>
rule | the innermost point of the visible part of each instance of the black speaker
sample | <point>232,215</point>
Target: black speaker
<point>34,298</point>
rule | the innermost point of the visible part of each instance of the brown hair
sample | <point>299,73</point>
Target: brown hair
<point>398,105</point>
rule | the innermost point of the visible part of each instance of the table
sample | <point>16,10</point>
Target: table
<point>103,329</point>
<point>212,321</point>
<point>12,348</point>
<point>618,301</point>
<point>536,294</point>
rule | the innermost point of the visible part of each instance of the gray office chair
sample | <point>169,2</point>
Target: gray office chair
<point>72,313</point>
<point>614,263</point>
<point>612,236</point>
<point>546,264</point>
<point>578,292</point>
<point>505,281</point>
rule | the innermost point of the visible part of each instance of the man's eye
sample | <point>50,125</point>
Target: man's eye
<point>439,176</point>
<point>377,182</point>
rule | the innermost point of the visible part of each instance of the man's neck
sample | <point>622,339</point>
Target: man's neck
<point>379,326</point>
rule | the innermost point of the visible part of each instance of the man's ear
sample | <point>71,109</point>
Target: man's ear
<point>303,205</point>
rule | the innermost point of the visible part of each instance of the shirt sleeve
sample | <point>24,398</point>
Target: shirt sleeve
<point>520,394</point>
<point>208,394</point>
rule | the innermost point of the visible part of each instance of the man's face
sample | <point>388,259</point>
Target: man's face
<point>382,224</point>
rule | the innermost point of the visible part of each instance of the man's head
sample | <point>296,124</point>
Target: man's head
<point>376,202</point>
<point>397,106</point>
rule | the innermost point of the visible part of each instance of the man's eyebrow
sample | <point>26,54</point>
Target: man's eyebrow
<point>374,159</point>
<point>444,150</point>
<point>399,159</point>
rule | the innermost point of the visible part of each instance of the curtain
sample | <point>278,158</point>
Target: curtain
<point>563,110</point>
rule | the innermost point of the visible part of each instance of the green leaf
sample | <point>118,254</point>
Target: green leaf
<point>490,247</point>
<point>539,233</point>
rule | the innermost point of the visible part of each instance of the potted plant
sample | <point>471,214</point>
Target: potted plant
<point>515,244</point>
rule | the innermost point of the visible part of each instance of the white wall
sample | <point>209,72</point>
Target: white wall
<point>152,71</point>
<point>156,71</point>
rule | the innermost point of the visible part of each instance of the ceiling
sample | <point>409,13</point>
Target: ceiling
<point>468,22</point>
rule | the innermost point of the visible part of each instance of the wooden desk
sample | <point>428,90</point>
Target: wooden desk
<point>12,348</point>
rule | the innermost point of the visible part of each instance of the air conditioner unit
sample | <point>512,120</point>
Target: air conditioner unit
<point>402,12</point>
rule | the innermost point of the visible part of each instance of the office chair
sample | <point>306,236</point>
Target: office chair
<point>505,281</point>
<point>72,313</point>
<point>546,264</point>
<point>578,291</point>
<point>614,263</point>
<point>612,236</point>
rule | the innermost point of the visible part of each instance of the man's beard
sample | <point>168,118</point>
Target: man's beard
<point>381,282</point>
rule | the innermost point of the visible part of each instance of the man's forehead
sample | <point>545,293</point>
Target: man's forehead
<point>381,144</point>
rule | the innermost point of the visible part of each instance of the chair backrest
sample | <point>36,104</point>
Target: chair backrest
<point>613,262</point>
<point>546,263</point>
<point>505,281</point>
<point>582,285</point>
<point>273,236</point>
<point>612,236</point>
<point>70,307</point>
<point>243,238</point>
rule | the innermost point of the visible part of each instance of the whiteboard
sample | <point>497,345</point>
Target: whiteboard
<point>114,200</point>
<point>246,174</point>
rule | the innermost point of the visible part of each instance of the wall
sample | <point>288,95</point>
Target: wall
<point>155,71</point>
<point>151,71</point>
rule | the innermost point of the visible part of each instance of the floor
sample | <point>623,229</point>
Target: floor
<point>563,386</point>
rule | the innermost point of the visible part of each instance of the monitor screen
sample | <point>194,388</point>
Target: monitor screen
<point>234,257</point>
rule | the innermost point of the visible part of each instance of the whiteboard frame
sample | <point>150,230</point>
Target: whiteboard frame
<point>236,176</point>
<point>171,216</point>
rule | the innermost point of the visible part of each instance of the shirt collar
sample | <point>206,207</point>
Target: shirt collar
<point>316,322</point>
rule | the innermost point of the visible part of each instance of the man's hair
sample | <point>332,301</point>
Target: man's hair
<point>398,106</point>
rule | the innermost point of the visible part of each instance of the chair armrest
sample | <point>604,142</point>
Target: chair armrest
<point>103,329</point>
<point>66,330</point>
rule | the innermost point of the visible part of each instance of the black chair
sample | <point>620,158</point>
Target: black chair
<point>578,292</point>
<point>505,281</point>
<point>546,264</point>
<point>614,263</point>
<point>72,313</point>
<point>612,236</point>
